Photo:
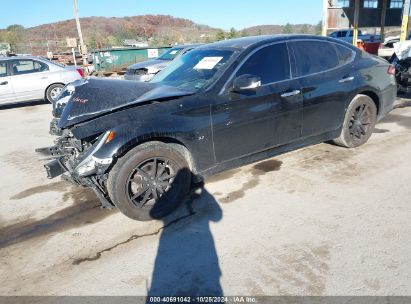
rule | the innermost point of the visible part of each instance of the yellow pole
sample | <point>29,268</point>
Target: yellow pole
<point>405,18</point>
<point>356,17</point>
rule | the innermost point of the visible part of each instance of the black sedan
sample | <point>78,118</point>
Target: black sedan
<point>139,146</point>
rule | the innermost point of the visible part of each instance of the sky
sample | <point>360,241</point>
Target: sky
<point>216,13</point>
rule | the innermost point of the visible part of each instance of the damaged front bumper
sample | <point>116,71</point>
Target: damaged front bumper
<point>55,168</point>
<point>81,168</point>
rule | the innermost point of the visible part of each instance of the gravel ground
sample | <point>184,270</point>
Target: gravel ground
<point>323,220</point>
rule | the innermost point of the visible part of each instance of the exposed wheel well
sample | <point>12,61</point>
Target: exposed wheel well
<point>374,97</point>
<point>176,144</point>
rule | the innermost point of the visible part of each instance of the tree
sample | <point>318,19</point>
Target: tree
<point>15,28</point>
<point>232,34</point>
<point>319,28</point>
<point>288,29</point>
<point>16,35</point>
<point>220,35</point>
<point>92,42</point>
<point>166,41</point>
<point>304,29</point>
<point>260,32</point>
<point>244,33</point>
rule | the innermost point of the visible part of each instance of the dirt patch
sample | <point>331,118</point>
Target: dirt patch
<point>235,195</point>
<point>84,211</point>
<point>24,160</point>
<point>297,268</point>
<point>57,186</point>
<point>401,120</point>
<point>381,131</point>
<point>266,166</point>
<point>256,171</point>
<point>222,176</point>
<point>404,104</point>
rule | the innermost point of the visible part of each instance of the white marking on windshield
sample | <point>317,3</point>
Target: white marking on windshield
<point>208,63</point>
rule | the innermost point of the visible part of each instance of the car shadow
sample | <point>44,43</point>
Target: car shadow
<point>22,104</point>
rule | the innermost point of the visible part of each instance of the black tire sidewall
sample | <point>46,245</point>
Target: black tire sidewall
<point>118,177</point>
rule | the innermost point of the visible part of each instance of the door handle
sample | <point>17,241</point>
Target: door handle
<point>289,94</point>
<point>347,79</point>
<point>4,83</point>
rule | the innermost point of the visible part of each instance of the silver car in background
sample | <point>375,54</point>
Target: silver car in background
<point>144,71</point>
<point>28,78</point>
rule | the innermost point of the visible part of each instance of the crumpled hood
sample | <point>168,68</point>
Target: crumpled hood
<point>93,97</point>
<point>155,63</point>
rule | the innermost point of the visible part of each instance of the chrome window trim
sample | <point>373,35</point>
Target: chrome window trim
<point>248,57</point>
<point>353,55</point>
<point>329,70</point>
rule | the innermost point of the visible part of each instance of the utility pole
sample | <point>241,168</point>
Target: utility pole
<point>324,27</point>
<point>383,17</point>
<point>80,34</point>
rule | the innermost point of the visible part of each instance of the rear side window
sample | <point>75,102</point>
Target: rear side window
<point>314,57</point>
<point>21,67</point>
<point>271,64</point>
<point>345,55</point>
<point>3,69</point>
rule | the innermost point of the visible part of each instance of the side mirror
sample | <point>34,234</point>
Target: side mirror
<point>246,83</point>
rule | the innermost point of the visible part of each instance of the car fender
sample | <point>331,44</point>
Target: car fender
<point>198,143</point>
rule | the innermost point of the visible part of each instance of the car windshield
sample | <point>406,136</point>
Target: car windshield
<point>195,70</point>
<point>170,54</point>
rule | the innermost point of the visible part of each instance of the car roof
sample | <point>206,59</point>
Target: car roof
<point>246,42</point>
<point>23,57</point>
<point>186,46</point>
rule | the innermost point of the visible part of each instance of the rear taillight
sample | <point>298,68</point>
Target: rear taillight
<point>81,72</point>
<point>391,70</point>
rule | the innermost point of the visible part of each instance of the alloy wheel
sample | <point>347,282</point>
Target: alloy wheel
<point>151,180</point>
<point>55,92</point>
<point>360,122</point>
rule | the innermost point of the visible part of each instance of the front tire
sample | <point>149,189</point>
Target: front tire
<point>359,122</point>
<point>149,182</point>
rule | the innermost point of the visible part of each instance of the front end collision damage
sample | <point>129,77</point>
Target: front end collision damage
<point>75,161</point>
<point>83,153</point>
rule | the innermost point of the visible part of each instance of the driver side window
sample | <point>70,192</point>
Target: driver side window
<point>271,64</point>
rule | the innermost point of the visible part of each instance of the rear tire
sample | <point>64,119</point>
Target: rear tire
<point>359,122</point>
<point>149,182</point>
<point>53,92</point>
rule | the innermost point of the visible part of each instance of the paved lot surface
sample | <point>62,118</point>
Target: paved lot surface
<point>323,220</point>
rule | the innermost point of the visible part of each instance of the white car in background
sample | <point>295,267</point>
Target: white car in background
<point>27,78</point>
<point>145,71</point>
<point>386,49</point>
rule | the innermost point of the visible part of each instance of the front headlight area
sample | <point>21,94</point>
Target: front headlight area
<point>89,164</point>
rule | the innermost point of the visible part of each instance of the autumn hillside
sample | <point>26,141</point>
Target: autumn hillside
<point>108,32</point>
